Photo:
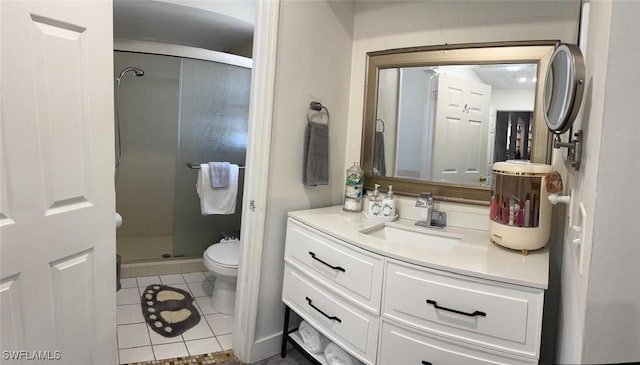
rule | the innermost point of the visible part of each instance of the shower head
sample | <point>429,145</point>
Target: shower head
<point>138,71</point>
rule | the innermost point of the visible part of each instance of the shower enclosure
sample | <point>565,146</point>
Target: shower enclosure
<point>181,111</point>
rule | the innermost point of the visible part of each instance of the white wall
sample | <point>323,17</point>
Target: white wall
<point>313,63</point>
<point>612,318</point>
<point>463,72</point>
<point>244,10</point>
<point>512,99</point>
<point>573,283</point>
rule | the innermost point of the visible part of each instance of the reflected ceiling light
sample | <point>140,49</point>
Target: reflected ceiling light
<point>513,68</point>
<point>534,79</point>
<point>522,79</point>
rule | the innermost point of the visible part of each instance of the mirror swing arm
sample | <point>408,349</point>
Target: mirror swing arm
<point>574,148</point>
<point>538,52</point>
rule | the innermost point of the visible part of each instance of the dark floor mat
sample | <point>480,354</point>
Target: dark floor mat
<point>169,311</point>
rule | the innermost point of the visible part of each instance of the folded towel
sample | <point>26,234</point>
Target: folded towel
<point>219,200</point>
<point>337,356</point>
<point>316,155</point>
<point>313,341</point>
<point>219,174</point>
<point>379,164</point>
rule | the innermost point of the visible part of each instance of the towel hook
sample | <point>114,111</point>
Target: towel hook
<point>316,106</point>
<point>381,121</point>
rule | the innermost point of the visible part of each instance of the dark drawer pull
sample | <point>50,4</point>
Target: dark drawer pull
<point>426,363</point>
<point>313,256</point>
<point>333,318</point>
<point>476,313</point>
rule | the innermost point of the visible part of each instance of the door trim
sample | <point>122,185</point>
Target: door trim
<point>256,178</point>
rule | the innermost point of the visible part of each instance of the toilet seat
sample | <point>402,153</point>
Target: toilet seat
<point>225,254</point>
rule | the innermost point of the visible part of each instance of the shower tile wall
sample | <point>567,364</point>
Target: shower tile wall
<point>145,186</point>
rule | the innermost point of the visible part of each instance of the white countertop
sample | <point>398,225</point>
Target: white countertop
<point>473,255</point>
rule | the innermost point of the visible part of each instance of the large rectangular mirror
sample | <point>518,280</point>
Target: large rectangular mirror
<point>436,118</point>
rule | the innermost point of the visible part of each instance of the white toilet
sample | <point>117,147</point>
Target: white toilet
<point>222,260</point>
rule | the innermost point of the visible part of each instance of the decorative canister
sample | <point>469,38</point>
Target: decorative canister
<point>520,213</point>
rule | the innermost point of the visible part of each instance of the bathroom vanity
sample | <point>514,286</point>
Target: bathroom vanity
<point>394,293</point>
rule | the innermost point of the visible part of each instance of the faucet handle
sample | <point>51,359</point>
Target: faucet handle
<point>424,198</point>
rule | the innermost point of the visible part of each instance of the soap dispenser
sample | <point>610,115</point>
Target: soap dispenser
<point>375,203</point>
<point>389,204</point>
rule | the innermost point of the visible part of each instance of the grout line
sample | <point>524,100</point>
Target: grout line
<point>219,344</point>
<point>188,352</point>
<point>153,352</point>
<point>149,337</point>
<point>126,324</point>
<point>208,324</point>
<point>134,347</point>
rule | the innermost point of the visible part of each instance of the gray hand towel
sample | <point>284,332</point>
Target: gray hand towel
<point>219,174</point>
<point>379,163</point>
<point>316,155</point>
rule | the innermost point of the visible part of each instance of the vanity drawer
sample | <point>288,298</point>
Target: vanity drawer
<point>489,314</point>
<point>403,346</point>
<point>349,327</point>
<point>351,272</point>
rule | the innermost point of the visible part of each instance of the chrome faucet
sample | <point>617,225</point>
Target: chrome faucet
<point>435,218</point>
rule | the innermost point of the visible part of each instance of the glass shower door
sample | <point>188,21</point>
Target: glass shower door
<point>214,110</point>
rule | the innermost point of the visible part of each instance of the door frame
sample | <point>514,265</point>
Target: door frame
<point>256,178</point>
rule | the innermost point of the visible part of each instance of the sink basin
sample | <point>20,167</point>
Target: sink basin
<point>439,242</point>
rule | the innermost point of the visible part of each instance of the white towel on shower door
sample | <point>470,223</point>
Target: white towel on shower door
<point>217,200</point>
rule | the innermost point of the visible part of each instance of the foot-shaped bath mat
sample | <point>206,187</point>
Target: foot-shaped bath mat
<point>169,311</point>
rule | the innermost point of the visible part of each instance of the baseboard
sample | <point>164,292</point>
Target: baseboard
<point>266,347</point>
<point>270,345</point>
<point>166,267</point>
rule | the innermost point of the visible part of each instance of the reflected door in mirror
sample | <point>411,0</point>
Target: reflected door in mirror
<point>461,131</point>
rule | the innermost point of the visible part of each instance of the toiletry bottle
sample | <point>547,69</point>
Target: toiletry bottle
<point>512,210</point>
<point>353,189</point>
<point>375,203</point>
<point>527,211</point>
<point>389,204</point>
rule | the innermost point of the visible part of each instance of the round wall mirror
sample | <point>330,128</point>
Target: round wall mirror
<point>563,88</point>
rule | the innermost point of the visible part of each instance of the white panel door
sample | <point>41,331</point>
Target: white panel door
<point>462,120</point>
<point>57,232</point>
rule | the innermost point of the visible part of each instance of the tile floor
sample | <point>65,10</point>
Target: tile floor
<point>138,343</point>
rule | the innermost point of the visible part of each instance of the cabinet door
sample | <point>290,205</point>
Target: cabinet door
<point>403,346</point>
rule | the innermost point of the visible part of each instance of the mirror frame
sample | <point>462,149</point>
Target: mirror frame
<point>538,52</point>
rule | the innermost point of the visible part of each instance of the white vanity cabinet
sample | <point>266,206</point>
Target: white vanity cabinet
<point>384,310</point>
